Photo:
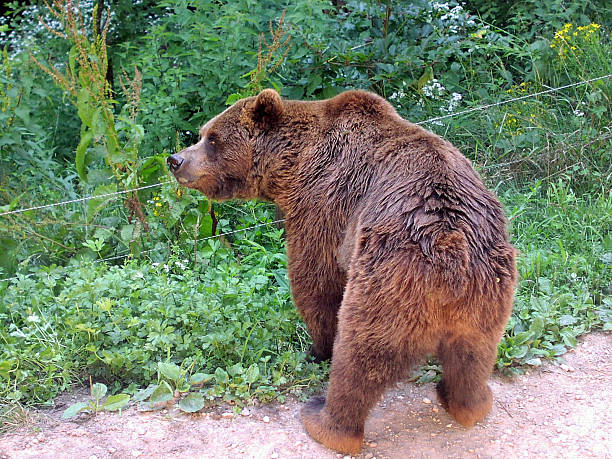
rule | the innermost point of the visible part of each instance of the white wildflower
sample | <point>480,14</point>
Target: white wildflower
<point>433,89</point>
<point>454,102</point>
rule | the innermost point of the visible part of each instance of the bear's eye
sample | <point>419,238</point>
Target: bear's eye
<point>210,146</point>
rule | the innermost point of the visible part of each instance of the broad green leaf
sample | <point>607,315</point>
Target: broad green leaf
<point>143,394</point>
<point>162,393</point>
<point>169,370</point>
<point>424,79</point>
<point>95,205</point>
<point>115,153</point>
<point>232,98</point>
<point>116,402</point>
<point>537,327</point>
<point>567,320</point>
<point>235,370</point>
<point>72,55</point>
<point>74,409</point>
<point>98,123</point>
<point>5,366</point>
<point>221,376</point>
<point>98,390</point>
<point>252,374</point>
<point>192,403</point>
<point>127,231</point>
<point>534,361</point>
<point>200,378</point>
<point>84,107</point>
<point>314,83</point>
<point>99,176</point>
<point>81,151</point>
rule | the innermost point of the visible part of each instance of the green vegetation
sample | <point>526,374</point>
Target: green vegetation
<point>139,292</point>
<point>95,404</point>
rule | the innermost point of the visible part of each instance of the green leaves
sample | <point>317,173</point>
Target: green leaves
<point>162,393</point>
<point>169,370</point>
<point>81,151</point>
<point>192,403</point>
<point>98,391</point>
<point>116,402</point>
<point>75,409</point>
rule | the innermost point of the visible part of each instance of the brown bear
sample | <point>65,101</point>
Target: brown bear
<point>396,249</point>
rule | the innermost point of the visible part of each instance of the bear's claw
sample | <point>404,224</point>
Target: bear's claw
<point>313,419</point>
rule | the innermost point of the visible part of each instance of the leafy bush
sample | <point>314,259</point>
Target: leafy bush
<point>116,323</point>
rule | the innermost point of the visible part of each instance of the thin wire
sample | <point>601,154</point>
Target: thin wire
<point>438,118</point>
<point>431,120</point>
<point>484,107</point>
<point>84,199</point>
<point>127,254</point>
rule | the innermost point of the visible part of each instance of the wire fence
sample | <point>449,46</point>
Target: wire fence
<point>428,121</point>
<point>116,194</point>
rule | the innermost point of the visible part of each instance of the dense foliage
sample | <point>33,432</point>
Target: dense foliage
<point>93,98</point>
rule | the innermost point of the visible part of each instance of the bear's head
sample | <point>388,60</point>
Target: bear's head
<point>225,162</point>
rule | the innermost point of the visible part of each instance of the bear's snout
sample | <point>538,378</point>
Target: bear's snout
<point>174,162</point>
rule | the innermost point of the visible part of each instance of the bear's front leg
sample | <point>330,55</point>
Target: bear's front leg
<point>317,287</point>
<point>317,299</point>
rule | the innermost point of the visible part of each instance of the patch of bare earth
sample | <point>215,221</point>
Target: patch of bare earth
<point>554,411</point>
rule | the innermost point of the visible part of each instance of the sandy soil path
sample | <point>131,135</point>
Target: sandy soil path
<point>554,411</point>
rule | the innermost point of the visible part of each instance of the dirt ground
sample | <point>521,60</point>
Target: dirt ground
<point>559,410</point>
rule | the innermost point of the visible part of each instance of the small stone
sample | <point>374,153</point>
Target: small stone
<point>227,415</point>
<point>433,434</point>
<point>426,401</point>
<point>372,444</point>
<point>346,457</point>
<point>93,456</point>
<point>369,456</point>
<point>164,411</point>
<point>246,412</point>
<point>435,409</point>
<point>274,456</point>
<point>136,453</point>
<point>111,450</point>
<point>448,426</point>
<point>266,419</point>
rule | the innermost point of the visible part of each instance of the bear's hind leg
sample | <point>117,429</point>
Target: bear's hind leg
<point>466,366</point>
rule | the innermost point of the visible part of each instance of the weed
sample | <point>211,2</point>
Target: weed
<point>95,404</point>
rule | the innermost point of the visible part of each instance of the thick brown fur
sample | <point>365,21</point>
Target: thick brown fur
<point>396,249</point>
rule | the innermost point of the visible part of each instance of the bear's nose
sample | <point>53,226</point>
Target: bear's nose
<point>174,162</point>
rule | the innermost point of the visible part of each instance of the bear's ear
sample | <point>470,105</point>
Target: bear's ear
<point>268,107</point>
